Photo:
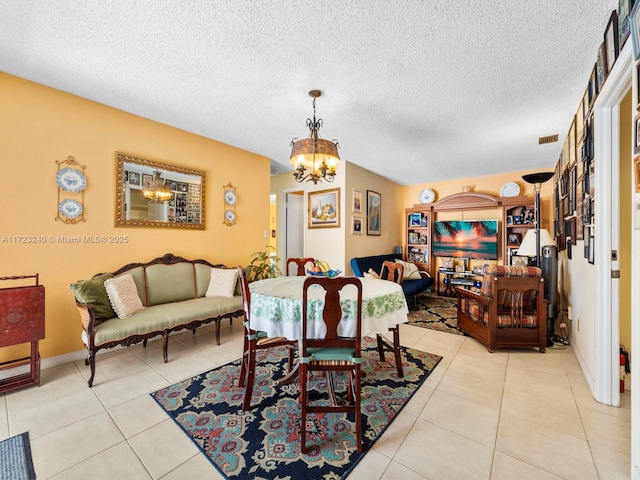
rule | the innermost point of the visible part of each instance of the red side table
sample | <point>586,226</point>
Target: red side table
<point>22,321</point>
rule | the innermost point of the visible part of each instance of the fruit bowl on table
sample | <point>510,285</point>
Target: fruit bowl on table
<point>328,273</point>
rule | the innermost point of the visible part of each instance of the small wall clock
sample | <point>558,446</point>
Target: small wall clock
<point>230,200</point>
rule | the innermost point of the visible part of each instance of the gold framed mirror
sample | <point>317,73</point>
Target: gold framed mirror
<point>157,194</point>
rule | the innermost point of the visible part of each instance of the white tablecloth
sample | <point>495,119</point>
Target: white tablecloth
<point>276,307</point>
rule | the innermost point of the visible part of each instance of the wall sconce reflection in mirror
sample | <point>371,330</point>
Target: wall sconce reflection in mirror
<point>157,194</point>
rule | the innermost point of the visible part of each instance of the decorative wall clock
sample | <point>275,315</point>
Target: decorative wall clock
<point>230,200</point>
<point>71,183</point>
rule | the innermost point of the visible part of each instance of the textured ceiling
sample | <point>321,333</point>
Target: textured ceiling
<point>416,90</point>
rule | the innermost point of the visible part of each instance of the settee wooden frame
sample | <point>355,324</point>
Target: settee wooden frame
<point>87,317</point>
<point>493,336</point>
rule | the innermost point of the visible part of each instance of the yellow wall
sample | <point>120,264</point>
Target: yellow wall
<point>626,220</point>
<point>39,125</point>
<point>391,216</point>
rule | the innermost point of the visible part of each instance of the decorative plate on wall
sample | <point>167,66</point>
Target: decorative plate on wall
<point>427,196</point>
<point>70,208</point>
<point>71,180</point>
<point>510,189</point>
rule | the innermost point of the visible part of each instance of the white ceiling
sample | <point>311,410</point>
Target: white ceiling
<point>415,90</point>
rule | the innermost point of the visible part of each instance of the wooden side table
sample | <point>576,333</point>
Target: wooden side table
<point>22,321</point>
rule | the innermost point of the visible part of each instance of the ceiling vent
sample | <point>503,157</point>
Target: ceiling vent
<point>548,139</point>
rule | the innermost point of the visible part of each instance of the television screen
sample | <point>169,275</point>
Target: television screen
<point>466,239</point>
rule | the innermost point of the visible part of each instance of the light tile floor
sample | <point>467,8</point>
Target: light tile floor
<point>510,414</point>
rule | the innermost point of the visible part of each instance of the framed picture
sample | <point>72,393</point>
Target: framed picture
<point>414,238</point>
<point>636,170</point>
<point>514,239</point>
<point>601,73</point>
<point>374,207</point>
<point>357,202</point>
<point>636,142</point>
<point>146,180</point>
<point>623,21</point>
<point>593,86</point>
<point>638,86</point>
<point>634,27</point>
<point>356,226</point>
<point>324,208</point>
<point>415,220</point>
<point>134,178</point>
<point>611,41</point>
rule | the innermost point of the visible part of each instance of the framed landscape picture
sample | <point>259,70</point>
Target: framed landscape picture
<point>374,207</point>
<point>357,202</point>
<point>324,208</point>
<point>611,41</point>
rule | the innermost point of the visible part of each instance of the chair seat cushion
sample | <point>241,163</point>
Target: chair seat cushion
<point>330,356</point>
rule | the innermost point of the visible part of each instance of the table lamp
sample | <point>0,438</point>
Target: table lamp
<point>530,247</point>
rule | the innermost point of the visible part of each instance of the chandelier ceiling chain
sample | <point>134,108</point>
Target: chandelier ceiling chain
<point>314,158</point>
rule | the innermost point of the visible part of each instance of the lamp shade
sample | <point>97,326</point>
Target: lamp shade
<point>528,245</point>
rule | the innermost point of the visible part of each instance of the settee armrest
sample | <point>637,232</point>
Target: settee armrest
<point>424,273</point>
<point>463,292</point>
<point>87,317</point>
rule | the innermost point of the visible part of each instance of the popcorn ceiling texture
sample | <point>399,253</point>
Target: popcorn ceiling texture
<point>414,90</point>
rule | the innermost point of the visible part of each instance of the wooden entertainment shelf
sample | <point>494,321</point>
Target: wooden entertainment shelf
<point>420,218</point>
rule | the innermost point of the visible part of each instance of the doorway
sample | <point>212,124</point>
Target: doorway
<point>294,226</point>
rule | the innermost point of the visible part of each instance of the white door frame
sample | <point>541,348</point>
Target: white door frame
<point>607,219</point>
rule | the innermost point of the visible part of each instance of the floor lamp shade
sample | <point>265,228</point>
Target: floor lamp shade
<point>528,246</point>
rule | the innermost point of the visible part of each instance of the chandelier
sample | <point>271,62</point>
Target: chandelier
<point>157,191</point>
<point>314,158</point>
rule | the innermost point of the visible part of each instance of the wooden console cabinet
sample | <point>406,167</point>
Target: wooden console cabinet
<point>22,321</point>
<point>515,214</point>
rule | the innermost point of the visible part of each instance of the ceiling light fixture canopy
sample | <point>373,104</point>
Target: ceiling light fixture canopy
<point>157,191</point>
<point>314,158</point>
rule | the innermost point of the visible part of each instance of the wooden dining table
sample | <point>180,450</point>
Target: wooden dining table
<point>276,307</point>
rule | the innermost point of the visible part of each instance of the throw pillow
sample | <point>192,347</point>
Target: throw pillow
<point>92,291</point>
<point>222,282</point>
<point>124,296</point>
<point>373,273</point>
<point>409,270</point>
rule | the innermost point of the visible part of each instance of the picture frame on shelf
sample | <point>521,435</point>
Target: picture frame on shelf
<point>324,208</point>
<point>356,207</point>
<point>636,170</point>
<point>414,238</point>
<point>611,42</point>
<point>514,239</point>
<point>374,210</point>
<point>415,220</point>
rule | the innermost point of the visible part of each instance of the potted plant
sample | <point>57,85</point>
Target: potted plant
<point>263,265</point>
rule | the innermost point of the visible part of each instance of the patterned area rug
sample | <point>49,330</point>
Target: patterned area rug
<point>264,443</point>
<point>436,313</point>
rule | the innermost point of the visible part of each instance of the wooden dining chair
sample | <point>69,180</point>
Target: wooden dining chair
<point>393,272</point>
<point>300,263</point>
<point>331,353</point>
<point>255,340</point>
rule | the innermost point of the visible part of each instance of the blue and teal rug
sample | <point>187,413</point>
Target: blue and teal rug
<point>264,442</point>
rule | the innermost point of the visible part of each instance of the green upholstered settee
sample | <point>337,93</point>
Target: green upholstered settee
<point>175,295</point>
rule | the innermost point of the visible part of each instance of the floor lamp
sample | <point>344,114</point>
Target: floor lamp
<point>549,263</point>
